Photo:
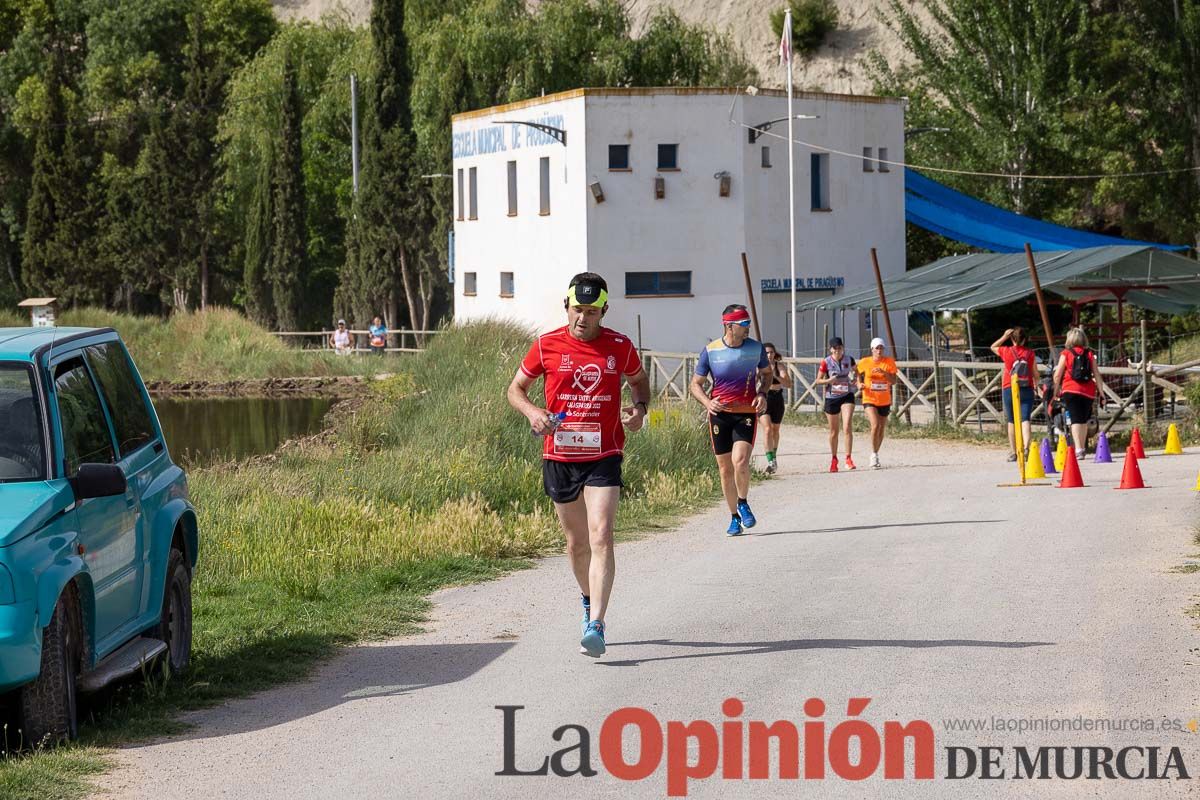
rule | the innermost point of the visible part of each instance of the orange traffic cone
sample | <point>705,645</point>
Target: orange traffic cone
<point>1131,477</point>
<point>1071,479</point>
<point>1135,442</point>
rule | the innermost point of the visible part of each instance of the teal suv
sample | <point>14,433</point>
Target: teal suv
<point>97,536</point>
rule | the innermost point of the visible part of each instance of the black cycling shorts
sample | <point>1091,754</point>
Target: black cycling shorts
<point>882,411</point>
<point>564,480</point>
<point>727,427</point>
<point>775,407</point>
<point>833,405</point>
<point>1079,407</point>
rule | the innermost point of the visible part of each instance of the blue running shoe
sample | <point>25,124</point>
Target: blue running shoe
<point>735,526</point>
<point>592,643</point>
<point>748,519</point>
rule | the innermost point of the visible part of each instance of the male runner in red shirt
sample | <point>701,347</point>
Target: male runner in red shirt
<point>583,364</point>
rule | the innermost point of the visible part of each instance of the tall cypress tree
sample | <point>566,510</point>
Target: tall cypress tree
<point>382,232</point>
<point>255,276</point>
<point>288,265</point>
<point>60,220</point>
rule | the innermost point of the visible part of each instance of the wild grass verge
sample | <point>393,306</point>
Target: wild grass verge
<point>431,481</point>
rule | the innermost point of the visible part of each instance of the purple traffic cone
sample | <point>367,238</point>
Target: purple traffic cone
<point>1047,456</point>
<point>1102,454</point>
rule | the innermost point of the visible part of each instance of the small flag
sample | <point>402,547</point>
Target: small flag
<point>785,42</point>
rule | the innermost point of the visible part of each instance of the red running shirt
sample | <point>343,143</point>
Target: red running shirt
<point>583,379</point>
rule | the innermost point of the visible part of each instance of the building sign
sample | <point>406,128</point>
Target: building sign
<point>827,283</point>
<point>502,138</point>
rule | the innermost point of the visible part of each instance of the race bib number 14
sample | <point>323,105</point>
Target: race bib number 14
<point>575,438</point>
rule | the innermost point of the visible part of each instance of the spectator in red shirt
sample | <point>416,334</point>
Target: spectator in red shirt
<point>1017,355</point>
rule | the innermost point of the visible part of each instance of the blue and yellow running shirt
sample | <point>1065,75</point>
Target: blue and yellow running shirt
<point>734,372</point>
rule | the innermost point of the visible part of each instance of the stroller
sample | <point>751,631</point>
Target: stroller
<point>1056,416</point>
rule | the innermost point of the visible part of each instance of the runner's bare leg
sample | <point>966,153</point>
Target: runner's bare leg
<point>728,485</point>
<point>833,434</point>
<point>573,517</point>
<point>601,513</point>
<point>741,469</point>
<point>848,427</point>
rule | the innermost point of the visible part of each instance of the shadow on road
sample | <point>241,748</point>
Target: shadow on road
<point>357,673</point>
<point>706,649</point>
<point>882,525</point>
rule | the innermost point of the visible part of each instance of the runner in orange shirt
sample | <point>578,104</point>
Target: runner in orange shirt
<point>877,375</point>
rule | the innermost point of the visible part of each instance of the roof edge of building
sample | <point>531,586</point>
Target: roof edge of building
<point>647,91</point>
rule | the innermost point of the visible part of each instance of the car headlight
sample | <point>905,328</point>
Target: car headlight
<point>8,594</point>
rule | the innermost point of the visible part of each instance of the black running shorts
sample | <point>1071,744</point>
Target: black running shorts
<point>726,428</point>
<point>1079,407</point>
<point>833,405</point>
<point>564,480</point>
<point>775,407</point>
<point>883,411</point>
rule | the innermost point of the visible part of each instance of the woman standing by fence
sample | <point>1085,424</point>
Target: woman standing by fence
<point>1021,361</point>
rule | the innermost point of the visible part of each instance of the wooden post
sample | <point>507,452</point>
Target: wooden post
<point>1147,388</point>
<point>750,294</point>
<point>1041,299</point>
<point>937,379</point>
<point>887,322</point>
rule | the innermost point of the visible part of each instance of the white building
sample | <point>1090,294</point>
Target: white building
<point>660,192</point>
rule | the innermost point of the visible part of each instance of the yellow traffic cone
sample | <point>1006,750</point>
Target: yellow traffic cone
<point>1197,489</point>
<point>1033,466</point>
<point>1174,446</point>
<point>1060,455</point>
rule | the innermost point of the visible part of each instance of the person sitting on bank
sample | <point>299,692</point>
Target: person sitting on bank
<point>378,333</point>
<point>1021,360</point>
<point>342,340</point>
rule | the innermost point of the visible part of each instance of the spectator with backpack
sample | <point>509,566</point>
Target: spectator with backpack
<point>1075,382</point>
<point>1019,361</point>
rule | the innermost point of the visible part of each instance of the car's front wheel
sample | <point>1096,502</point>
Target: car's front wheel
<point>48,712</point>
<point>175,623</point>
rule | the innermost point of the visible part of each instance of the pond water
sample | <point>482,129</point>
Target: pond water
<point>212,429</point>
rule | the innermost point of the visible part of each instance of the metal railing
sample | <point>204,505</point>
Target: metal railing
<point>953,392</point>
<point>397,340</point>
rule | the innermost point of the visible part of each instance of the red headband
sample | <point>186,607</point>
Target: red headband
<point>737,315</point>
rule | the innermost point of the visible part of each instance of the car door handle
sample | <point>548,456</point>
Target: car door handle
<point>158,447</point>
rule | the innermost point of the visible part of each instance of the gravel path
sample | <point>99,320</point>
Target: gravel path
<point>922,586</point>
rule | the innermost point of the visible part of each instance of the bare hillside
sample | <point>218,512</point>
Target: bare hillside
<point>836,67</point>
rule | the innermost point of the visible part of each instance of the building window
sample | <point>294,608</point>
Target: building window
<point>462,201</point>
<point>883,159</point>
<point>820,181</point>
<point>766,156</point>
<point>659,283</point>
<point>668,156</point>
<point>506,284</point>
<point>868,154</point>
<point>544,179</point>
<point>474,191</point>
<point>512,188</point>
<point>469,284</point>
<point>618,156</point>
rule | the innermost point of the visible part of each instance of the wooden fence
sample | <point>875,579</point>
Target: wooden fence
<point>397,340</point>
<point>951,392</point>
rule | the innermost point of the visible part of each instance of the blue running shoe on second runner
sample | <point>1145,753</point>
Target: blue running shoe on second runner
<point>735,526</point>
<point>748,519</point>
<point>592,643</point>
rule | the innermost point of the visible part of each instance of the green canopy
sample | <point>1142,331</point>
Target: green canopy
<point>1151,278</point>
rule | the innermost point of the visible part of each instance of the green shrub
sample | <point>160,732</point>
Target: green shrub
<point>812,21</point>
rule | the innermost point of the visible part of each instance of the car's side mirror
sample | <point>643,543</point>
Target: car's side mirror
<point>98,480</point>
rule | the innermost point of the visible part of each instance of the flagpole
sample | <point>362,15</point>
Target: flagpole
<point>786,51</point>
